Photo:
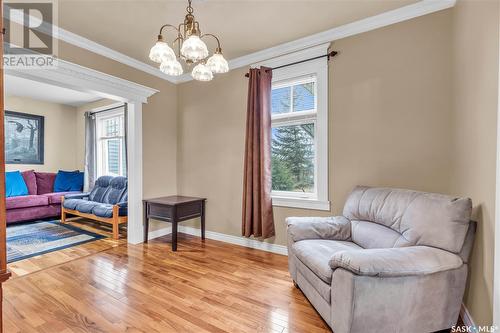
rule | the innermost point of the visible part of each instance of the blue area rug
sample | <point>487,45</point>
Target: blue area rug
<point>32,239</point>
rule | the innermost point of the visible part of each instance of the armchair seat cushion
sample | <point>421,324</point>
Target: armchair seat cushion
<point>72,203</point>
<point>86,206</point>
<point>315,254</point>
<point>106,210</point>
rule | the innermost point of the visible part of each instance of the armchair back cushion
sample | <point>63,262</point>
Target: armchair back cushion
<point>117,190</point>
<point>387,217</point>
<point>100,189</point>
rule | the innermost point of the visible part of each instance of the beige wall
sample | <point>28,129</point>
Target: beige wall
<point>59,133</point>
<point>475,77</point>
<point>389,122</point>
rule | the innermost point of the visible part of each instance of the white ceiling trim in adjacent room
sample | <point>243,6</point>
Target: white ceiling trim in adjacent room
<point>21,87</point>
<point>405,13</point>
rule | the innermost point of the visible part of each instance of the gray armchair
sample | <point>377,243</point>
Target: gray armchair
<point>395,262</point>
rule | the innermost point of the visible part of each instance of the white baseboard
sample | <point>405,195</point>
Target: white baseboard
<point>159,233</point>
<point>242,241</point>
<point>466,317</point>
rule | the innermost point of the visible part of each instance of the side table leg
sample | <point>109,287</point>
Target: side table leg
<point>203,220</point>
<point>174,235</point>
<point>145,222</point>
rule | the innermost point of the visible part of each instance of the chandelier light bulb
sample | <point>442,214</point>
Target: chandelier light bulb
<point>202,73</point>
<point>217,64</point>
<point>194,49</point>
<point>161,52</point>
<point>173,68</point>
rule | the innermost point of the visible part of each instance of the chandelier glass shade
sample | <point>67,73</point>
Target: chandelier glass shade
<point>217,64</point>
<point>191,49</point>
<point>194,49</point>
<point>202,73</point>
<point>161,52</point>
<point>173,68</point>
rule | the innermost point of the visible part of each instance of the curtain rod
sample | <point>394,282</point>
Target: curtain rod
<point>106,110</point>
<point>329,55</point>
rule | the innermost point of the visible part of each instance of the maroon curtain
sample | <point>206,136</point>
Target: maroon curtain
<point>257,206</point>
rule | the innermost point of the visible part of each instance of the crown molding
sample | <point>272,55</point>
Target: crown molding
<point>405,13</point>
<point>84,43</point>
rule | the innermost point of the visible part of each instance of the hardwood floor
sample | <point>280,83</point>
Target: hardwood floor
<point>203,287</point>
<point>30,265</point>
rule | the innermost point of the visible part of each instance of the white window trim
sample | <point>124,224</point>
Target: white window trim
<point>100,117</point>
<point>319,68</point>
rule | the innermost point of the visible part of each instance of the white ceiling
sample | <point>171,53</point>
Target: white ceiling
<point>16,86</point>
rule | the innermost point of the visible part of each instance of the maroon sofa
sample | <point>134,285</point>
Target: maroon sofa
<point>42,201</point>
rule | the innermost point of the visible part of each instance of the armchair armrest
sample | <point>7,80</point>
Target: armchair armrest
<point>392,262</point>
<point>335,228</point>
<point>77,195</point>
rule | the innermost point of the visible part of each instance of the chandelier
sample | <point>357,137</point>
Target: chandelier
<point>190,48</point>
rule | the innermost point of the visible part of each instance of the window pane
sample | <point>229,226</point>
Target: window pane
<point>280,100</point>
<point>304,96</point>
<point>114,156</point>
<point>112,127</point>
<point>124,159</point>
<point>293,155</point>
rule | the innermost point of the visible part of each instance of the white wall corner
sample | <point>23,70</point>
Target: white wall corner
<point>496,253</point>
<point>134,169</point>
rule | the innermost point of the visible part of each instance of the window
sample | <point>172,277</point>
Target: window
<point>111,156</point>
<point>293,146</point>
<point>299,146</point>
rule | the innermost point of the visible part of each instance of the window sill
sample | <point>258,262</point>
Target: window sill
<point>301,203</point>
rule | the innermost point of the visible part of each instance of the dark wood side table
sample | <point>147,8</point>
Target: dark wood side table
<point>174,209</point>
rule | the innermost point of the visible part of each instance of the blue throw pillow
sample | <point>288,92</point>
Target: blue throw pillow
<point>67,181</point>
<point>15,185</point>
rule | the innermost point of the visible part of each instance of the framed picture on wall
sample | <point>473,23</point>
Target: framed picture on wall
<point>23,138</point>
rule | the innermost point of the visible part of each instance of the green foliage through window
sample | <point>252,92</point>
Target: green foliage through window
<point>293,158</point>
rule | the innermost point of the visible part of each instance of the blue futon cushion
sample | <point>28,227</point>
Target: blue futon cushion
<point>67,181</point>
<point>14,184</point>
